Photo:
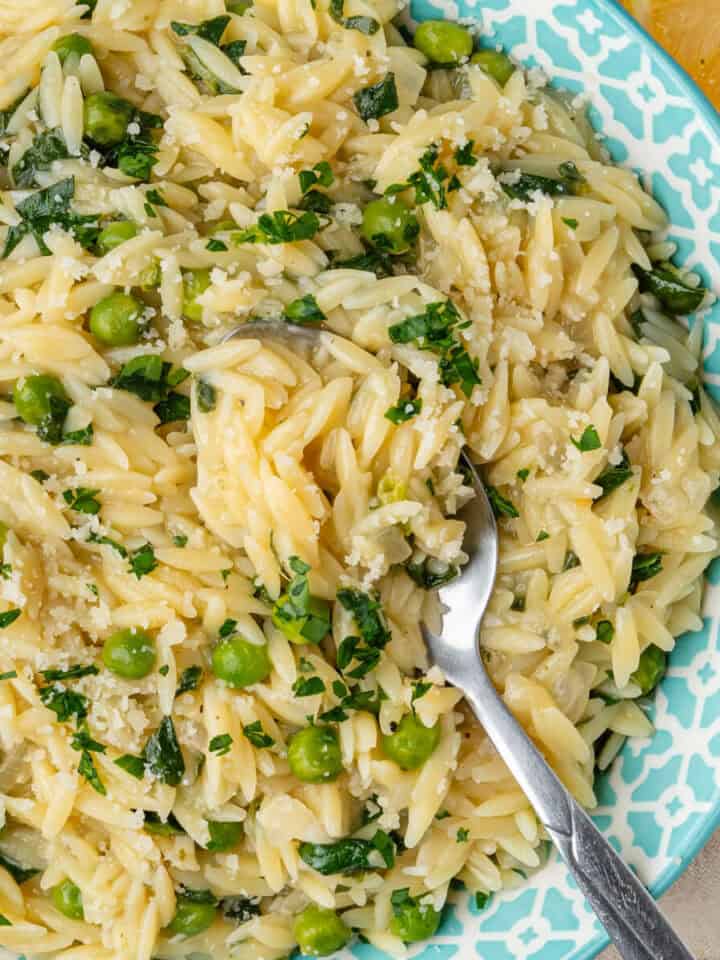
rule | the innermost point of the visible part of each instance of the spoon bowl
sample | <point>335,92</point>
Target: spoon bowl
<point>630,915</point>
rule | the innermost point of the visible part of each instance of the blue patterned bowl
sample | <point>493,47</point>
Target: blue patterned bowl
<point>661,800</point>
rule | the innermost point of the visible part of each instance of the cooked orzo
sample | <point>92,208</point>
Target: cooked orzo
<point>220,733</point>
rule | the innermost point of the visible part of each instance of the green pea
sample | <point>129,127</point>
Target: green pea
<point>320,931</point>
<point>116,233</point>
<point>224,834</point>
<point>314,755</point>
<point>651,669</point>
<point>389,224</point>
<point>72,44</point>
<point>191,917</point>
<point>411,920</point>
<point>496,64</point>
<point>117,320</point>
<point>195,282</point>
<point>239,662</point>
<point>411,743</point>
<point>66,898</point>
<point>36,397</point>
<point>106,118</point>
<point>129,653</point>
<point>150,277</point>
<point>443,42</point>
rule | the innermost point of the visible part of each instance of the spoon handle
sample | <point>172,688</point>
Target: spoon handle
<point>623,905</point>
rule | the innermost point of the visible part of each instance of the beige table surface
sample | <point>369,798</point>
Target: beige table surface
<point>693,904</point>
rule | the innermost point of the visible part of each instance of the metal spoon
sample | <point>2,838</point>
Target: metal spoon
<point>623,905</point>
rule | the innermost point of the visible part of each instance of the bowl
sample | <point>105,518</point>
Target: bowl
<point>660,801</point>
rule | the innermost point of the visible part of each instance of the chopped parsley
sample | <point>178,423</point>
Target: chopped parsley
<point>308,686</point>
<point>162,828</point>
<point>302,617</point>
<point>571,561</point>
<point>436,330</point>
<point>604,631</point>
<point>404,410</point>
<point>107,542</point>
<point>588,441</point>
<point>216,246</point>
<point>256,735</point>
<point>482,899</point>
<point>82,500</point>
<point>304,310</point>
<point>164,670</point>
<point>180,540</point>
<point>419,690</point>
<point>163,756</point>
<point>501,506</point>
<point>142,560</point>
<point>84,743</point>
<point>363,650</point>
<point>283,226</point>
<point>320,175</point>
<point>463,835</point>
<point>464,156</point>
<point>239,908</point>
<point>176,406</point>
<point>570,222</point>
<point>220,745</point>
<point>378,99</point>
<point>528,184</point>
<point>64,703</point>
<point>429,573</point>
<point>9,675</point>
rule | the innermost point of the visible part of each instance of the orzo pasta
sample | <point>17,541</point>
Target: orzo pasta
<point>219,730</point>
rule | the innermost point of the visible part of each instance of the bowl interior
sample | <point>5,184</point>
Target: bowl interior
<point>660,801</point>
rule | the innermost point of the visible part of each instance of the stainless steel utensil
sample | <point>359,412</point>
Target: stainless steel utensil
<point>627,911</point>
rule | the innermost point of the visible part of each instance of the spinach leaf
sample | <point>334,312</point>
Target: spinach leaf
<point>436,330</point>
<point>45,148</point>
<point>613,477</point>
<point>19,874</point>
<point>190,679</point>
<point>163,756</point>
<point>501,506</point>
<point>366,25</point>
<point>378,99</point>
<point>644,567</point>
<point>149,377</point>
<point>47,208</point>
<point>666,282</point>
<point>374,634</point>
<point>240,908</point>
<point>350,855</point>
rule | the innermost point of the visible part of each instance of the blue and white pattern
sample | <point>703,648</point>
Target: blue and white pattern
<point>661,800</point>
